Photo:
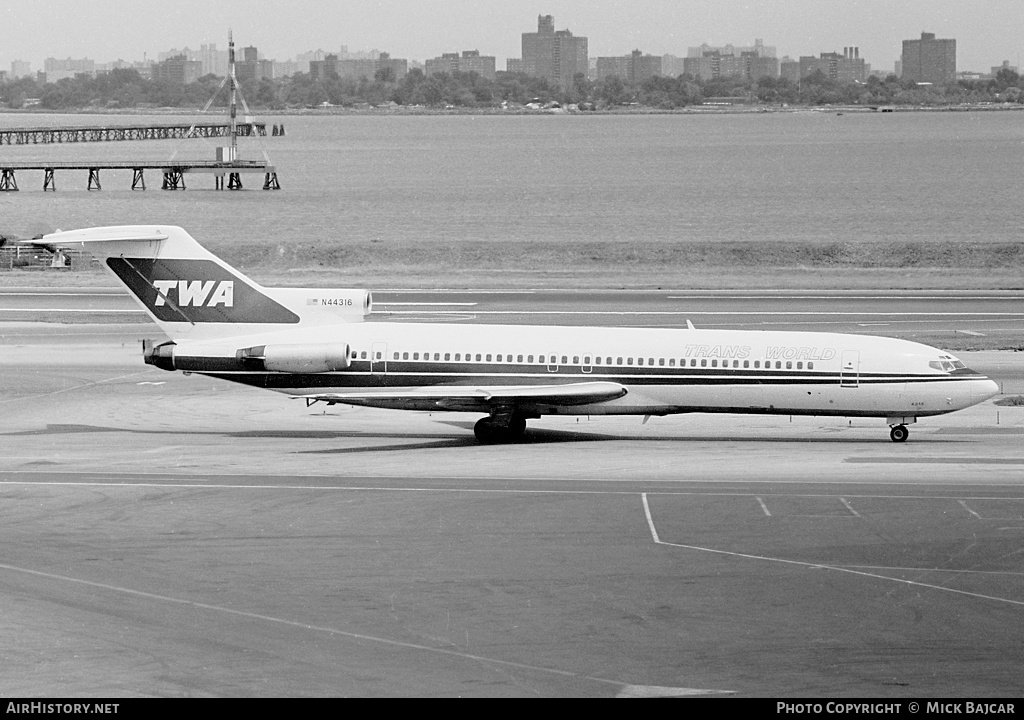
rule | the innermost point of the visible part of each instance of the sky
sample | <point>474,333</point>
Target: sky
<point>987,31</point>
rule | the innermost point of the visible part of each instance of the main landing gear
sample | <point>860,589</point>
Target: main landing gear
<point>899,433</point>
<point>499,429</point>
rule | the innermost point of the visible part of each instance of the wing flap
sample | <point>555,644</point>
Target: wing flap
<point>458,396</point>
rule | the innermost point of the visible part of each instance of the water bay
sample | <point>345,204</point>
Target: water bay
<point>486,191</point>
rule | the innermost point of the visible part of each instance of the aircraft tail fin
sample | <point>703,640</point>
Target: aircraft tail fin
<point>187,290</point>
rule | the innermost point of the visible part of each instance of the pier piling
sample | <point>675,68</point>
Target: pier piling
<point>173,175</point>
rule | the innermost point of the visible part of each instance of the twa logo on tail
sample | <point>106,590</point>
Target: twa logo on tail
<point>190,290</point>
<point>196,293</point>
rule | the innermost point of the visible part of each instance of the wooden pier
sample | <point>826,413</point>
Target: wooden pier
<point>52,135</point>
<point>226,174</point>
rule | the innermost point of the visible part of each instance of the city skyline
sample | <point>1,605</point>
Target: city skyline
<point>986,31</point>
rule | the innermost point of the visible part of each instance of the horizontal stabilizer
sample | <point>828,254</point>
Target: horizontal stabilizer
<point>121,233</point>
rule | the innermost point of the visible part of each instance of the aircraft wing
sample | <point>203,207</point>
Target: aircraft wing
<point>474,397</point>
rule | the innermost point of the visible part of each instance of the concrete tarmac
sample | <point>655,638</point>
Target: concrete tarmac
<point>168,535</point>
<point>932,313</point>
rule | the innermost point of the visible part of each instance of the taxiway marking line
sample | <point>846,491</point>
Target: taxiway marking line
<point>763,507</point>
<point>843,313</point>
<point>1007,298</point>
<point>939,570</point>
<point>493,491</point>
<point>76,387</point>
<point>816,566</point>
<point>73,310</point>
<point>964,506</point>
<point>849,507</point>
<point>307,626</point>
<point>650,520</point>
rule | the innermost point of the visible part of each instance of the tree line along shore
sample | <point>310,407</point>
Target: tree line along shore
<point>125,89</point>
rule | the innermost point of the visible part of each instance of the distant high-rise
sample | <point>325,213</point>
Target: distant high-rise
<point>1005,66</point>
<point>759,49</point>
<point>20,68</point>
<point>322,69</point>
<point>368,68</point>
<point>672,66</point>
<point>929,60</point>
<point>748,64</point>
<point>469,61</point>
<point>61,69</point>
<point>751,62</point>
<point>554,55</point>
<point>846,68</point>
<point>633,68</point>
<point>178,69</point>
<point>214,62</point>
<point>789,69</point>
<point>247,67</point>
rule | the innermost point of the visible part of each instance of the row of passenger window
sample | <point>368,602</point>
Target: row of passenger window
<point>587,360</point>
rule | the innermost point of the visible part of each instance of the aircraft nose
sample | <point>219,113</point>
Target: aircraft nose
<point>983,390</point>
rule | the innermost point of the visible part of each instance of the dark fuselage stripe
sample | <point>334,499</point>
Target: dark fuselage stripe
<point>359,376</point>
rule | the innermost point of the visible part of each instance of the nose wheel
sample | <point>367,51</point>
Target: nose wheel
<point>899,433</point>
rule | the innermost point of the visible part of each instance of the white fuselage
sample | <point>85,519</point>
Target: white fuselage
<point>664,370</point>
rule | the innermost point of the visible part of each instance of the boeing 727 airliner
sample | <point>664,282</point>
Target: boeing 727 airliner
<point>314,344</point>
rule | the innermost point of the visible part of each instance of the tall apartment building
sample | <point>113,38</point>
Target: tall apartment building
<point>633,68</point>
<point>321,69</point>
<point>747,64</point>
<point>555,56</point>
<point>929,60</point>
<point>996,69</point>
<point>20,68</point>
<point>247,64</point>
<point>304,60</point>
<point>759,49</point>
<point>469,61</point>
<point>672,66</point>
<point>60,69</point>
<point>752,62</point>
<point>846,68</point>
<point>789,69</point>
<point>369,67</point>
<point>514,65</point>
<point>215,62</point>
<point>178,69</point>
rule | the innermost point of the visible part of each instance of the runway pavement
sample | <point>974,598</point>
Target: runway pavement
<point>895,313</point>
<point>169,535</point>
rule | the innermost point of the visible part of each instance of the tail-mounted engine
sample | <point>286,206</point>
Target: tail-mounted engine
<point>284,358</point>
<point>307,358</point>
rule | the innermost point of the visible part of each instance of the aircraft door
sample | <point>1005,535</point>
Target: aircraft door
<point>849,373</point>
<point>379,359</point>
